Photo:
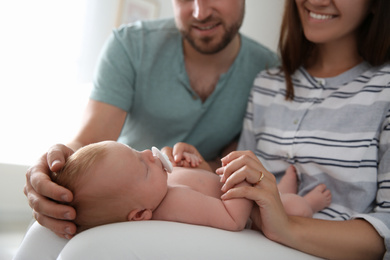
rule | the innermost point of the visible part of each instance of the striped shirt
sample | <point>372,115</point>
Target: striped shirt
<point>336,131</point>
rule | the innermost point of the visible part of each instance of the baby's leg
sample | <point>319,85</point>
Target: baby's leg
<point>319,198</point>
<point>295,205</point>
<point>289,182</point>
<point>316,200</point>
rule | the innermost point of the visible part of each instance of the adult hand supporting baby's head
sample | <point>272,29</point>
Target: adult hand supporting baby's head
<point>43,194</point>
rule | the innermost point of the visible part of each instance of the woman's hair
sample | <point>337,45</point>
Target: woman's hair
<point>373,39</point>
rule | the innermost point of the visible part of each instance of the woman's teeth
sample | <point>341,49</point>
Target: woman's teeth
<point>320,16</point>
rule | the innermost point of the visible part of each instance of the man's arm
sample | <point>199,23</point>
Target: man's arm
<point>101,122</point>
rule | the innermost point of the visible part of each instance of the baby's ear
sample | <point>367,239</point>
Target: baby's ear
<point>139,214</point>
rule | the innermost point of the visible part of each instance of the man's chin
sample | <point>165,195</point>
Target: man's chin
<point>208,46</point>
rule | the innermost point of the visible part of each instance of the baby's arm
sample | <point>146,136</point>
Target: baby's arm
<point>183,204</point>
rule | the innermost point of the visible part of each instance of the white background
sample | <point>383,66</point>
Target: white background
<point>48,49</point>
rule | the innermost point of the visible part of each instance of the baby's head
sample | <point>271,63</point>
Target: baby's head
<point>111,183</point>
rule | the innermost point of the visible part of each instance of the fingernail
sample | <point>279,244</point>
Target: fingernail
<point>67,231</point>
<point>55,162</point>
<point>65,198</point>
<point>223,188</point>
<point>67,216</point>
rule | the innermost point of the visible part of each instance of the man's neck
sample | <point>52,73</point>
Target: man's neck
<point>204,70</point>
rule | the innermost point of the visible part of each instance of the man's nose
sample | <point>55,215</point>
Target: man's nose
<point>202,9</point>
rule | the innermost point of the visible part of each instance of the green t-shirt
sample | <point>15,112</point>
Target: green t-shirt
<point>141,70</point>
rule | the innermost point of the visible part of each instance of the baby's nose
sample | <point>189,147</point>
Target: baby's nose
<point>149,155</point>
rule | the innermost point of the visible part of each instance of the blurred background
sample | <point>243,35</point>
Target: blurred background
<point>48,51</point>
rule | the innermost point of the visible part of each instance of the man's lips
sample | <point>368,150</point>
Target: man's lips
<point>205,27</point>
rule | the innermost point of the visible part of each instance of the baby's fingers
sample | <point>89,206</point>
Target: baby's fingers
<point>192,159</point>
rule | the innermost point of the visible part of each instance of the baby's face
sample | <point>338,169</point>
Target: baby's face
<point>136,176</point>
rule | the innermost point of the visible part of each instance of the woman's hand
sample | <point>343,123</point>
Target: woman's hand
<point>43,195</point>
<point>352,239</point>
<point>269,215</point>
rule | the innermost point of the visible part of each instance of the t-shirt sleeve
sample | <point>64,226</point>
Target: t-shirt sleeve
<point>115,73</point>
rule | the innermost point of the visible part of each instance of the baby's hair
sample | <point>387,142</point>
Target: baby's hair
<point>78,163</point>
<point>76,166</point>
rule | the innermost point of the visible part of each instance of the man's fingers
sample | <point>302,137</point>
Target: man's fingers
<point>43,185</point>
<point>50,208</point>
<point>62,228</point>
<point>57,155</point>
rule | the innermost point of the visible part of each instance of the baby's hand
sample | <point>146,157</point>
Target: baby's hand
<point>186,155</point>
<point>189,160</point>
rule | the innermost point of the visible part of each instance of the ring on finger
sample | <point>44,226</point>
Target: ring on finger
<point>260,178</point>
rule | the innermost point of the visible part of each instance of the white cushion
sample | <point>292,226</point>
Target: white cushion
<point>153,240</point>
<point>169,240</point>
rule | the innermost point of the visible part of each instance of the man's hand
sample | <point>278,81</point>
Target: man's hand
<point>45,196</point>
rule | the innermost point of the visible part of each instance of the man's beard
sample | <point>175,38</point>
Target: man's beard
<point>205,47</point>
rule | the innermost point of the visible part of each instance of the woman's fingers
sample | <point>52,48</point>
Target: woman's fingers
<point>241,192</point>
<point>260,191</point>
<point>240,166</point>
<point>245,173</point>
<point>237,154</point>
<point>269,215</point>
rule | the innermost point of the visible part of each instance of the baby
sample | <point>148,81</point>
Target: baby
<point>112,182</point>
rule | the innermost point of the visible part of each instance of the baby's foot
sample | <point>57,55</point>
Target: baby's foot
<point>289,182</point>
<point>319,198</point>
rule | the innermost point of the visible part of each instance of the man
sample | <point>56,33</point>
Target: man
<point>158,83</point>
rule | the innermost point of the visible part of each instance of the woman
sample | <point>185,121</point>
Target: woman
<point>327,112</point>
